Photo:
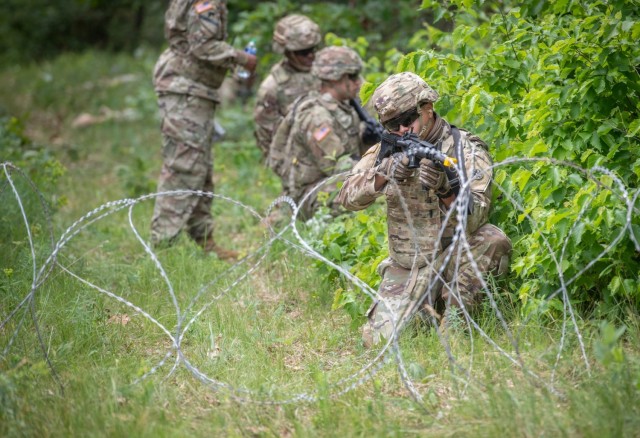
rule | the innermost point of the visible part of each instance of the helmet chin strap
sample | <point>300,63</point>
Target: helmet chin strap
<point>293,60</point>
<point>432,130</point>
<point>424,131</point>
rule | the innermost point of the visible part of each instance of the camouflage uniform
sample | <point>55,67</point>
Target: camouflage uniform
<point>423,265</point>
<point>320,136</point>
<point>186,79</point>
<point>286,82</point>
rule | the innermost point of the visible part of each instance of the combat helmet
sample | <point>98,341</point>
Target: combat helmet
<point>334,61</point>
<point>295,32</point>
<point>400,93</point>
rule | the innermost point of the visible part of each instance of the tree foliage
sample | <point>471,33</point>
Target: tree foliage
<point>32,171</point>
<point>38,29</point>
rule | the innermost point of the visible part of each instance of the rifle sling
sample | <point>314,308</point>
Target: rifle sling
<point>462,175</point>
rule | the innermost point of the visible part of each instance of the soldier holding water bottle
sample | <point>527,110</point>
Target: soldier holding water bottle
<point>186,80</point>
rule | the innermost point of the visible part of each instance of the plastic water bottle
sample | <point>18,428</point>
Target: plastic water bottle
<point>242,72</point>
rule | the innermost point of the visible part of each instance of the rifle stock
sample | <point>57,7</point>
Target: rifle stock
<point>374,130</point>
<point>417,149</point>
<point>414,148</point>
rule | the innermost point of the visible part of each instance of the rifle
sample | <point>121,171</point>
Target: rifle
<point>414,148</point>
<point>417,149</point>
<point>374,130</point>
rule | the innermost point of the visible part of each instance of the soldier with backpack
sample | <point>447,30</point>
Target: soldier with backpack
<point>322,133</point>
<point>298,38</point>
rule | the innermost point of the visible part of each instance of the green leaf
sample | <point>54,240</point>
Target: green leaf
<point>539,147</point>
<point>513,64</point>
<point>366,90</point>
<point>337,299</point>
<point>521,177</point>
<point>553,219</point>
<point>555,176</point>
<point>634,127</point>
<point>635,31</point>
<point>577,233</point>
<point>335,251</point>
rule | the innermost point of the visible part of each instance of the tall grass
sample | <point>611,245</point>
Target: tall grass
<point>271,337</point>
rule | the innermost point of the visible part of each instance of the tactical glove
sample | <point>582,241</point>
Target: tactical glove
<point>433,177</point>
<point>395,167</point>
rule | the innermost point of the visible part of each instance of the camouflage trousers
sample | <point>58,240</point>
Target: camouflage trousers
<point>451,278</point>
<point>187,132</point>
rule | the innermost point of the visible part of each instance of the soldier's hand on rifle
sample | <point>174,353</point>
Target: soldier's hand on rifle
<point>395,167</point>
<point>433,177</point>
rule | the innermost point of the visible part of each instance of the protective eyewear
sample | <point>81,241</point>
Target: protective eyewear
<point>306,52</point>
<point>353,76</point>
<point>404,119</point>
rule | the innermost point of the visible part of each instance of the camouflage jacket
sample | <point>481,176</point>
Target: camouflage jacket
<point>198,57</point>
<point>316,139</point>
<point>277,92</point>
<point>413,233</point>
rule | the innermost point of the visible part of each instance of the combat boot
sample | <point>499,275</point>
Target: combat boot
<point>426,313</point>
<point>276,220</point>
<point>208,245</point>
<point>367,336</point>
<point>452,321</point>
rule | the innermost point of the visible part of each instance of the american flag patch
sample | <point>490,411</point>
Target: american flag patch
<point>320,133</point>
<point>203,6</point>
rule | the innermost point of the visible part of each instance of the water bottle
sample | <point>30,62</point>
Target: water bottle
<point>242,72</point>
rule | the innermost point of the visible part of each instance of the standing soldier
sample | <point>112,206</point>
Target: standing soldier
<point>423,266</point>
<point>322,133</point>
<point>298,38</point>
<point>186,79</point>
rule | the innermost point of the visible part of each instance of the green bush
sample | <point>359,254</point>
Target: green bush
<point>36,30</point>
<point>561,84</point>
<point>357,242</point>
<point>555,85</point>
<point>33,173</point>
<point>35,161</point>
<point>371,26</point>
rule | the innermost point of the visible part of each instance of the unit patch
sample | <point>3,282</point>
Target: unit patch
<point>320,133</point>
<point>203,6</point>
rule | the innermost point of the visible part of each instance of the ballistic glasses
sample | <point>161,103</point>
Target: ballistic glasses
<point>404,119</point>
<point>306,52</point>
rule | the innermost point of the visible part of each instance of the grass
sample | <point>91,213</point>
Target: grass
<point>271,336</point>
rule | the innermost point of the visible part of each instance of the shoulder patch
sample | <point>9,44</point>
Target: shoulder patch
<point>320,133</point>
<point>203,6</point>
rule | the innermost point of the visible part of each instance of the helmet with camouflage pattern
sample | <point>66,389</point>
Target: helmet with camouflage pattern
<point>295,32</point>
<point>334,61</point>
<point>399,93</point>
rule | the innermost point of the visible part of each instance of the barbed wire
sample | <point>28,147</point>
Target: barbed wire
<point>238,272</point>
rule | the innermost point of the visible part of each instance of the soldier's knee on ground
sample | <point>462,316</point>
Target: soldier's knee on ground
<point>428,314</point>
<point>451,319</point>
<point>367,336</point>
<point>209,245</point>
